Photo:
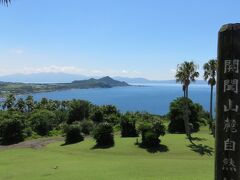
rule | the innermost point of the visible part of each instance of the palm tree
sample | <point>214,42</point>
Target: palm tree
<point>210,71</point>
<point>30,103</point>
<point>10,101</point>
<point>20,105</point>
<point>186,73</point>
<point>5,2</point>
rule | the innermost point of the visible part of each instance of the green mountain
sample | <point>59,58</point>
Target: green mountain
<point>25,88</point>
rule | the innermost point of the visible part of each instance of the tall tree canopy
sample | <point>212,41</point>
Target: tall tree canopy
<point>186,73</point>
<point>6,2</point>
<point>210,71</point>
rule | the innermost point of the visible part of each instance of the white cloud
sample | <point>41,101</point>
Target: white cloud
<point>69,70</point>
<point>53,69</point>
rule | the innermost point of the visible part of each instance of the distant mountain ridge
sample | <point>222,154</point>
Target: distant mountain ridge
<point>68,78</point>
<point>147,81</point>
<point>25,88</point>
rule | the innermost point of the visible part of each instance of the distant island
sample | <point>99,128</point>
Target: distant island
<point>26,88</point>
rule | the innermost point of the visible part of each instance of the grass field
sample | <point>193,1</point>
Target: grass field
<point>176,161</point>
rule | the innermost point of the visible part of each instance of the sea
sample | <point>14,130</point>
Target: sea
<point>152,98</point>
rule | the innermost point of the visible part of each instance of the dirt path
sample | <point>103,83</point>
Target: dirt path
<point>34,144</point>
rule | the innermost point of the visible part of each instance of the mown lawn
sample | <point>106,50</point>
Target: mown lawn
<point>175,161</point>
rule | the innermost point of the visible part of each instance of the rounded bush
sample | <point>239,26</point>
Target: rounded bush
<point>42,122</point>
<point>151,132</point>
<point>11,131</point>
<point>151,139</point>
<point>86,126</point>
<point>79,110</point>
<point>128,127</point>
<point>193,111</point>
<point>73,134</point>
<point>103,135</point>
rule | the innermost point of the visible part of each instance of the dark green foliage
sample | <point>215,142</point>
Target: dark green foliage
<point>79,110</point>
<point>112,119</point>
<point>30,103</point>
<point>109,109</point>
<point>61,116</point>
<point>177,112</point>
<point>128,127</point>
<point>9,103</point>
<point>96,115</point>
<point>73,134</point>
<point>42,121</point>
<point>12,129</point>
<point>151,139</point>
<point>151,131</point>
<point>20,105</point>
<point>86,126</point>
<point>103,134</point>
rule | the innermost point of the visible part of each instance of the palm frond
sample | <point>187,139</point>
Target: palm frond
<point>5,2</point>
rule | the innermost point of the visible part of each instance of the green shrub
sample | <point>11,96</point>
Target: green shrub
<point>42,122</point>
<point>180,108</point>
<point>11,130</point>
<point>128,127</point>
<point>73,134</point>
<point>151,139</point>
<point>55,132</point>
<point>86,126</point>
<point>151,131</point>
<point>111,119</point>
<point>103,134</point>
<point>28,132</point>
<point>96,115</point>
<point>79,110</point>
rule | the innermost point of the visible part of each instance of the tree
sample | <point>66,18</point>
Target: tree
<point>96,115</point>
<point>20,105</point>
<point>150,132</point>
<point>177,115</point>
<point>9,103</point>
<point>30,103</point>
<point>210,71</point>
<point>43,121</point>
<point>12,129</point>
<point>5,2</point>
<point>79,110</point>
<point>186,73</point>
<point>73,134</point>
<point>103,134</point>
<point>86,126</point>
<point>128,126</point>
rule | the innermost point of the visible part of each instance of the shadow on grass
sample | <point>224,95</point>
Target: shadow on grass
<point>201,149</point>
<point>159,148</point>
<point>102,147</point>
<point>198,139</point>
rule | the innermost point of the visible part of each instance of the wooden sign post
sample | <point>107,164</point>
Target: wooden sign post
<point>227,165</point>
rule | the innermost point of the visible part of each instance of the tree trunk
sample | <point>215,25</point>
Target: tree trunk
<point>211,98</point>
<point>184,91</point>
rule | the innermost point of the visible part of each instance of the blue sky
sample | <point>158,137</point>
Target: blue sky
<point>134,38</point>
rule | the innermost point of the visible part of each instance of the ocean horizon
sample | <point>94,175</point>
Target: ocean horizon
<point>154,98</point>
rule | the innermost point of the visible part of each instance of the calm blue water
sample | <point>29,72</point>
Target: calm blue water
<point>154,98</point>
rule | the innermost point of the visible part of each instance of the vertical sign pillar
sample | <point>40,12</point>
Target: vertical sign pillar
<point>227,165</point>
